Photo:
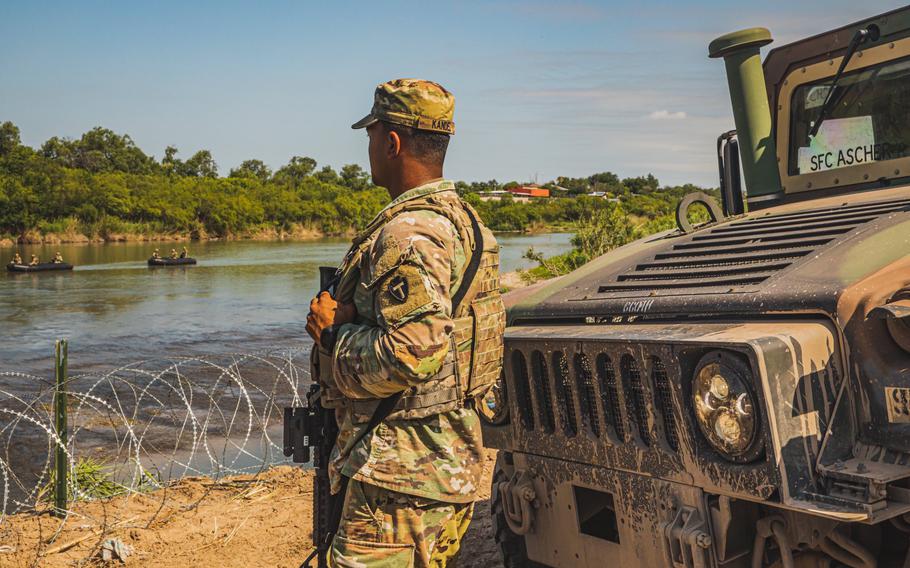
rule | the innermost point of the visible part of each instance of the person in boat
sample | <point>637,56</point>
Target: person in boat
<point>58,258</point>
<point>184,253</point>
<point>17,259</point>
<point>156,254</point>
<point>34,261</point>
<point>173,253</point>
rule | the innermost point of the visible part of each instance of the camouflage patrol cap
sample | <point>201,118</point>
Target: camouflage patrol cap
<point>420,104</point>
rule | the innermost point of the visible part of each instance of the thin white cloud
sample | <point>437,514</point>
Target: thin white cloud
<point>667,115</point>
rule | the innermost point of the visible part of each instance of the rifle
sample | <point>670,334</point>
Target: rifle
<point>313,427</point>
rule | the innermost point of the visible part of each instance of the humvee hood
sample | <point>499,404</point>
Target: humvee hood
<point>796,258</point>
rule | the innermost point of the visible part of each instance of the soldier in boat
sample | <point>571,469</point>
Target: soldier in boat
<point>58,258</point>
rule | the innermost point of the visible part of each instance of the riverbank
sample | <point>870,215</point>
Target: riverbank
<point>295,233</point>
<point>241,521</point>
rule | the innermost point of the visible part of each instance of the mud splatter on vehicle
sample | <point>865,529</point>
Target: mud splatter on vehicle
<point>738,393</point>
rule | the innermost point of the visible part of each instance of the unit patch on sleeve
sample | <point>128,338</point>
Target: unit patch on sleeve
<point>398,288</point>
<point>405,295</point>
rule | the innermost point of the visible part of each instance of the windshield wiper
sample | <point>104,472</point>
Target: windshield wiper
<point>831,100</point>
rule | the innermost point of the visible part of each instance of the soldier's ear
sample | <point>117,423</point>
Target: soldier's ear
<point>394,144</point>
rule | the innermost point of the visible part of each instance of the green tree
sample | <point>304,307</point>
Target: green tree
<point>296,170</point>
<point>354,177</point>
<point>201,164</point>
<point>103,150</point>
<point>641,184</point>
<point>254,169</point>
<point>9,138</point>
<point>327,175</point>
<point>603,230</point>
<point>59,150</point>
<point>169,162</point>
<point>575,186</point>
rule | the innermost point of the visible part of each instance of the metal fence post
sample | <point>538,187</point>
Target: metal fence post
<point>61,462</point>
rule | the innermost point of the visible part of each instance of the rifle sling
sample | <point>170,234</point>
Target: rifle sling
<point>471,271</point>
<point>387,405</point>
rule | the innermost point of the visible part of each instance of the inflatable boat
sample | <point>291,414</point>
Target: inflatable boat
<point>41,267</point>
<point>171,261</point>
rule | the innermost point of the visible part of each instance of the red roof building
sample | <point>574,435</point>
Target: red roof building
<point>529,191</point>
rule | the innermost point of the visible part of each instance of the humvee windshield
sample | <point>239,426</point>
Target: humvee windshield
<point>870,123</point>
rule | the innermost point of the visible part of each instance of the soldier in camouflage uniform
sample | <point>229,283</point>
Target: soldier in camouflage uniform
<point>392,327</point>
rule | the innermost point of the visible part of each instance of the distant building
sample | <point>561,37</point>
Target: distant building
<point>530,190</point>
<point>494,195</point>
<point>603,195</point>
<point>519,193</point>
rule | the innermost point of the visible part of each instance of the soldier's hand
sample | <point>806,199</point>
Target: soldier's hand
<point>324,312</point>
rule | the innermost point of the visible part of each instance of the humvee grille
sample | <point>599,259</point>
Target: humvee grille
<point>587,399</point>
<point>664,401</point>
<point>523,389</point>
<point>635,398</point>
<point>747,252</point>
<point>543,391</point>
<point>609,396</point>
<point>621,398</point>
<point>567,416</point>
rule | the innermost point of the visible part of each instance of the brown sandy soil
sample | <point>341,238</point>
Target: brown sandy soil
<point>512,280</point>
<point>242,521</point>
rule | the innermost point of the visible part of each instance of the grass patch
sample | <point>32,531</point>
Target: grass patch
<point>93,479</point>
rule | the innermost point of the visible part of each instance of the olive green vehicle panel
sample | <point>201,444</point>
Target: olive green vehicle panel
<point>875,232</point>
<point>745,78</point>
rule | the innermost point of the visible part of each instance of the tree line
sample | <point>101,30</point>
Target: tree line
<point>102,183</point>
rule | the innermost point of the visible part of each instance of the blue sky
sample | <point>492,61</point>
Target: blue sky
<point>542,88</point>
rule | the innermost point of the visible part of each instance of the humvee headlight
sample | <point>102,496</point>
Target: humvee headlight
<point>725,407</point>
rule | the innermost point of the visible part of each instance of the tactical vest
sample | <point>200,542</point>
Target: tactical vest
<point>474,361</point>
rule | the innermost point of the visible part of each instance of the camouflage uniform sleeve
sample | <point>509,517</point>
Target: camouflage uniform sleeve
<point>408,275</point>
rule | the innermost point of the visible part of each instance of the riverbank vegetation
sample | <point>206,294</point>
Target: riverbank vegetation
<point>102,187</point>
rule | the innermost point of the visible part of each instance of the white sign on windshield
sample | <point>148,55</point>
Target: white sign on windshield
<point>840,142</point>
<point>816,96</point>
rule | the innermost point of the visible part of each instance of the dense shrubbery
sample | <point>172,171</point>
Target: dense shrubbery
<point>103,184</point>
<point>649,206</point>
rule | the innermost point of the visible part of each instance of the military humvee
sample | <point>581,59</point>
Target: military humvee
<point>736,393</point>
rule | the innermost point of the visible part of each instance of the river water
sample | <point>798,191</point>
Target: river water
<point>174,370</point>
<point>242,296</point>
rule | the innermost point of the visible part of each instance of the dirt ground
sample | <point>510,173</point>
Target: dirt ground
<point>241,521</point>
